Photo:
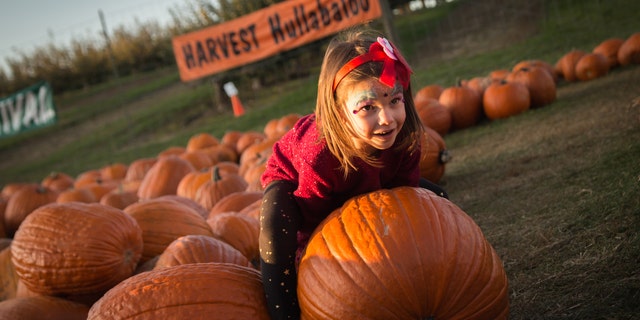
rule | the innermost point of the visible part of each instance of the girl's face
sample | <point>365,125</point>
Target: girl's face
<point>375,112</point>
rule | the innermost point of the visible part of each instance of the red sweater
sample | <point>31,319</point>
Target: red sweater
<point>299,157</point>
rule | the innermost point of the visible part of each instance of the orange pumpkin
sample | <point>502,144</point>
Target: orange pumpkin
<point>629,52</point>
<point>9,283</point>
<point>42,307</point>
<point>162,221</point>
<point>535,63</point>
<point>23,202</point>
<point>235,202</point>
<point>187,202</point>
<point>79,195</point>
<point>80,248</point>
<point>539,82</point>
<point>58,181</point>
<point>139,168</point>
<point>119,198</point>
<point>505,99</point>
<point>164,176</point>
<point>218,186</point>
<point>114,171</point>
<point>431,91</point>
<point>239,230</point>
<point>403,253</point>
<point>591,66</point>
<point>230,139</point>
<point>465,106</point>
<point>188,291</point>
<point>566,65</point>
<point>433,156</point>
<point>199,249</point>
<point>609,49</point>
<point>200,141</point>
<point>434,115</point>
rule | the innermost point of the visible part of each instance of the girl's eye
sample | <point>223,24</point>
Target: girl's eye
<point>363,109</point>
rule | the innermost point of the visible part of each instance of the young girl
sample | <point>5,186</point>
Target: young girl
<point>363,136</point>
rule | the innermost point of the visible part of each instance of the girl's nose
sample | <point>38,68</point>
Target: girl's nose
<point>385,116</point>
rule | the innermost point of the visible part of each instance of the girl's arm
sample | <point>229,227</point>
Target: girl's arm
<point>279,221</point>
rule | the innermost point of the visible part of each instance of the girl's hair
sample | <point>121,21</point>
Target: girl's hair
<point>330,114</point>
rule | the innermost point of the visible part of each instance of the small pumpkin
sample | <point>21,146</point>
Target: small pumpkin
<point>23,202</point>
<point>434,115</point>
<point>164,176</point>
<point>402,253</point>
<point>629,51</point>
<point>200,141</point>
<point>162,221</point>
<point>239,230</point>
<point>566,65</point>
<point>465,106</point>
<point>188,291</point>
<point>505,99</point>
<point>539,82</point>
<point>235,202</point>
<point>431,91</point>
<point>8,275</point>
<point>218,186</point>
<point>76,195</point>
<point>139,168</point>
<point>42,307</point>
<point>58,181</point>
<point>433,156</point>
<point>199,249</point>
<point>609,49</point>
<point>591,66</point>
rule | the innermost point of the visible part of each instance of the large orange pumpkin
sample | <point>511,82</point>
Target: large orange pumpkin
<point>76,248</point>
<point>403,253</point>
<point>189,291</point>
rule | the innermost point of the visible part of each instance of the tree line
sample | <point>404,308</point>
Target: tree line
<point>86,62</point>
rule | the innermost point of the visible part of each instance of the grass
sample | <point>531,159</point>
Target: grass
<point>556,189</point>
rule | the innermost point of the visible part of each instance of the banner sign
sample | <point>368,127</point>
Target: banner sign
<point>28,109</point>
<point>266,32</point>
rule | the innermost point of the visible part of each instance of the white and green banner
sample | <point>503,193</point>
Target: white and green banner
<point>27,109</point>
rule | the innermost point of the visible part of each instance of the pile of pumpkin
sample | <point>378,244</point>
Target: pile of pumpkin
<point>176,235</point>
<point>528,84</point>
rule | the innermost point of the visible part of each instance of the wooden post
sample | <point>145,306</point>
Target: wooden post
<point>387,22</point>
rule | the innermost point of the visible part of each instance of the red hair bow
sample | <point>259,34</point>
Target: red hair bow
<point>394,65</point>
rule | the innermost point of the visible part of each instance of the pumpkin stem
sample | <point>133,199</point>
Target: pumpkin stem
<point>215,174</point>
<point>444,156</point>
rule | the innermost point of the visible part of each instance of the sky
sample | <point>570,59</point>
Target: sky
<point>26,24</point>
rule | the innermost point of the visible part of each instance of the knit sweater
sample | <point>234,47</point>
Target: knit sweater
<point>302,158</point>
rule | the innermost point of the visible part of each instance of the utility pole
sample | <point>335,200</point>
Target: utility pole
<point>108,41</point>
